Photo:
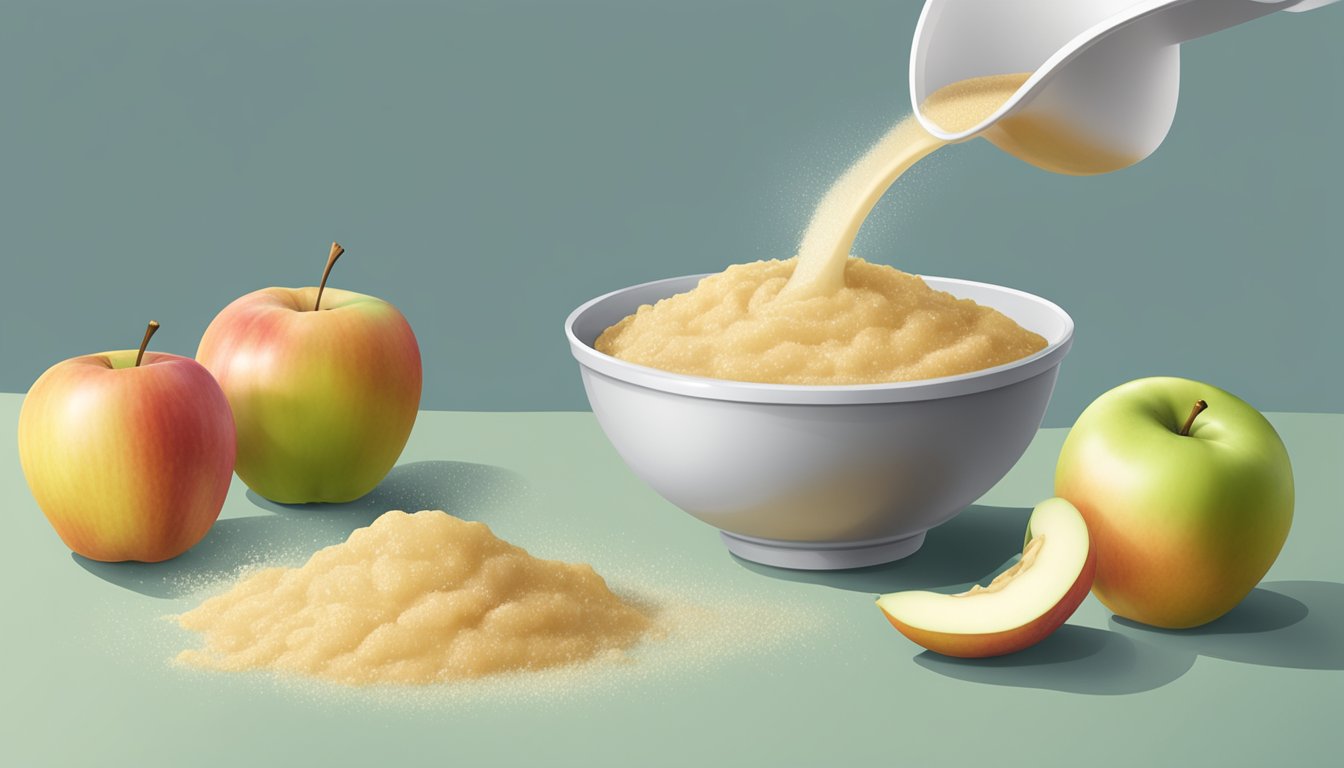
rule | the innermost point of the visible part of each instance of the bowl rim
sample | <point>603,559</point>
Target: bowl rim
<point>592,361</point>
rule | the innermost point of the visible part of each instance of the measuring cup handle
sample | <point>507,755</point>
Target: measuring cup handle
<point>1309,5</point>
<point>1181,21</point>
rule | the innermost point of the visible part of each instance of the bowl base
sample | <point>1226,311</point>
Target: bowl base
<point>821,556</point>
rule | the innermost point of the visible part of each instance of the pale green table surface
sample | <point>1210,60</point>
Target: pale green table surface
<point>783,668</point>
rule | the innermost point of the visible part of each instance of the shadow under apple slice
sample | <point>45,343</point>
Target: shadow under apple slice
<point>958,553</point>
<point>1296,624</point>
<point>1074,659</point>
<point>469,491</point>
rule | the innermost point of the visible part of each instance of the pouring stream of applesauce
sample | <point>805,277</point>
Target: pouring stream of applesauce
<point>824,249</point>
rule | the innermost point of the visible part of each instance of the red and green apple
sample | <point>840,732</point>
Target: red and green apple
<point>1020,607</point>
<point>129,454</point>
<point>1188,492</point>
<point>324,385</point>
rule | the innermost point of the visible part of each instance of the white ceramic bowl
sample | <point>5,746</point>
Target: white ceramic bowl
<point>820,477</point>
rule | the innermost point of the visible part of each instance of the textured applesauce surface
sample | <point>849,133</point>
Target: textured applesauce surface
<point>884,325</point>
<point>414,599</point>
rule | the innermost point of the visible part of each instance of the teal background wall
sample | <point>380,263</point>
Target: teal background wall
<point>489,165</point>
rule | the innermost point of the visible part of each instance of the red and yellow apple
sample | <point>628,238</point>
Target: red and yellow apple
<point>1020,607</point>
<point>324,385</point>
<point>1188,507</point>
<point>129,454</point>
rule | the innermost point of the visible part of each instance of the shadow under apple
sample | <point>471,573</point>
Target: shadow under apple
<point>460,488</point>
<point>967,549</point>
<point>956,554</point>
<point>1074,660</point>
<point>294,532</point>
<point>1296,624</point>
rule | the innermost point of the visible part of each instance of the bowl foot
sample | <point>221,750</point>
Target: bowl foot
<point>821,556</point>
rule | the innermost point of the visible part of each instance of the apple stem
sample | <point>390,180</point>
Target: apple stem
<point>1200,405</point>
<point>336,251</point>
<point>153,326</point>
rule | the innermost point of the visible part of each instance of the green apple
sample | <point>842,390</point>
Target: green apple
<point>128,454</point>
<point>1020,607</point>
<point>324,385</point>
<point>1188,493</point>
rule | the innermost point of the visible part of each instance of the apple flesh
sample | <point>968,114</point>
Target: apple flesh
<point>324,400</point>
<point>1020,607</point>
<point>128,462</point>
<point>1185,524</point>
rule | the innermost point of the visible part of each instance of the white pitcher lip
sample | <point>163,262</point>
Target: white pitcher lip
<point>1066,53</point>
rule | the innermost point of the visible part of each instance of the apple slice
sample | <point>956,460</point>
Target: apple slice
<point>1020,607</point>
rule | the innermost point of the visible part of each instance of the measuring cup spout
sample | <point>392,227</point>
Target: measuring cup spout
<point>1104,74</point>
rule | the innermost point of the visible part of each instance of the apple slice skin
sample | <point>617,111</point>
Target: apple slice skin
<point>978,646</point>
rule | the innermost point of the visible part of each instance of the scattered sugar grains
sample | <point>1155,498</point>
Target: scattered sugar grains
<point>883,325</point>
<point>414,599</point>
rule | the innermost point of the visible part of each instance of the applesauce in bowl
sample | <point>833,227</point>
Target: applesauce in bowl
<point>882,325</point>
<point>821,476</point>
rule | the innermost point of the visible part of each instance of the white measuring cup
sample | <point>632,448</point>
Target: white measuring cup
<point>1105,74</point>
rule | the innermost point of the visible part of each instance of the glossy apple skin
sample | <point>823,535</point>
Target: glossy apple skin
<point>323,401</point>
<point>127,463</point>
<point>1184,526</point>
<point>971,646</point>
